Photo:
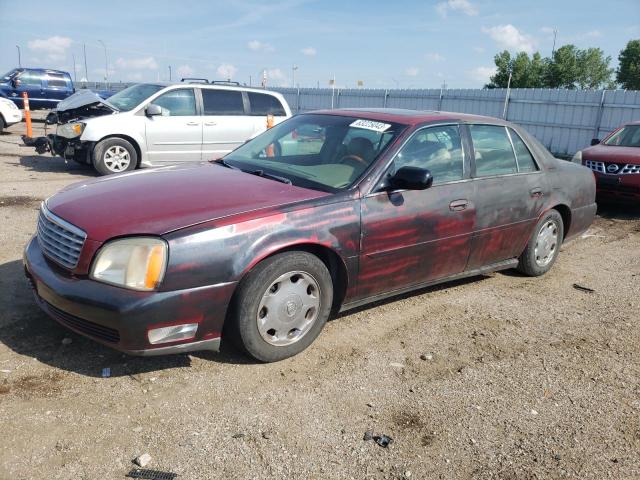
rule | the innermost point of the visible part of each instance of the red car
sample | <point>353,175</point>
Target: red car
<point>615,163</point>
<point>264,244</point>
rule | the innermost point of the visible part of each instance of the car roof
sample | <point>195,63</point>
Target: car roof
<point>42,70</point>
<point>410,117</point>
<point>214,86</point>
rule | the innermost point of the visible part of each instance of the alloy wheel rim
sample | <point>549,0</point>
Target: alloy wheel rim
<point>117,158</point>
<point>546,243</point>
<point>288,308</point>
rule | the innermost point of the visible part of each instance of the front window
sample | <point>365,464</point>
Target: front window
<point>322,152</point>
<point>132,96</point>
<point>177,103</point>
<point>628,136</point>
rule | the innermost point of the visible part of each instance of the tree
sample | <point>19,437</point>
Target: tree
<point>628,74</point>
<point>593,69</point>
<point>525,72</point>
<point>562,69</point>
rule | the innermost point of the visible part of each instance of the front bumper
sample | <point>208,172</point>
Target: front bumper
<point>624,188</point>
<point>120,318</point>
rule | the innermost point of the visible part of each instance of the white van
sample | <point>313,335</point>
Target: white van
<point>153,124</point>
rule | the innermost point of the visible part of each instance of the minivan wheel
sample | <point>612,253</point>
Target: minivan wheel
<point>282,305</point>
<point>114,155</point>
<point>544,245</point>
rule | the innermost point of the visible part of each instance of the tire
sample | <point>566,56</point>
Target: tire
<point>302,306</point>
<point>2,124</point>
<point>114,155</point>
<point>544,245</point>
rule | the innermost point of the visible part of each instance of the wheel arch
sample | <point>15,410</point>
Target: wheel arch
<point>565,213</point>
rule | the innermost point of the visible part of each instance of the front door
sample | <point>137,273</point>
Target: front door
<point>226,125</point>
<point>414,237</point>
<point>176,135</point>
<point>510,191</point>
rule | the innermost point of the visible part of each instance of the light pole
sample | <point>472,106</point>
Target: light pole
<point>169,72</point>
<point>19,59</point>
<point>106,63</point>
<point>293,75</point>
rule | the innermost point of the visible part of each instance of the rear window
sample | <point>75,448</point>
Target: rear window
<point>56,80</point>
<point>222,102</point>
<point>264,104</point>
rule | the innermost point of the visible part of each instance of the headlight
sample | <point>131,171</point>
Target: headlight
<point>137,263</point>
<point>577,158</point>
<point>71,130</point>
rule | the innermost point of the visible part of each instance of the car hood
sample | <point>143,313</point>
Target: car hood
<point>607,153</point>
<point>83,98</point>
<point>158,201</point>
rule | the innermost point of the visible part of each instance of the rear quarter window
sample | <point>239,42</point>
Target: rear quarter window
<point>264,104</point>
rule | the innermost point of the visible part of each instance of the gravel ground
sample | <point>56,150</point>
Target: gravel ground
<point>499,376</point>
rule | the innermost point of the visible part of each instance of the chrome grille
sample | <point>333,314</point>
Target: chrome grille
<point>58,239</point>
<point>620,169</point>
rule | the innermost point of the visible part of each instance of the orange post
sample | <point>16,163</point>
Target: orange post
<point>27,114</point>
<point>269,121</point>
<point>270,149</point>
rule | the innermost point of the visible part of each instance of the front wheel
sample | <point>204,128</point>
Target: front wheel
<point>544,245</point>
<point>114,155</point>
<point>282,305</point>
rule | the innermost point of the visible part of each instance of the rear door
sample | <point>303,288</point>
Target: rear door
<point>510,194</point>
<point>176,135</point>
<point>225,122</point>
<point>57,87</point>
<point>31,81</point>
<point>411,237</point>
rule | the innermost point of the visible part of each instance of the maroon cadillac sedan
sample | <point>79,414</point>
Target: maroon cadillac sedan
<point>616,164</point>
<point>263,245</point>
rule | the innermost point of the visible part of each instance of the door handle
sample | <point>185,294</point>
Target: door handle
<point>458,205</point>
<point>193,124</point>
<point>536,192</point>
<point>210,124</point>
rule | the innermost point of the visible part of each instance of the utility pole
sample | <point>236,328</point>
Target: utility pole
<point>106,63</point>
<point>19,57</point>
<point>86,72</point>
<point>553,49</point>
<point>506,97</point>
<point>75,75</point>
<point>293,75</point>
<point>249,80</point>
<point>169,72</point>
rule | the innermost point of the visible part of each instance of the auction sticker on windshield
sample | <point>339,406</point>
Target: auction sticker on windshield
<point>370,125</point>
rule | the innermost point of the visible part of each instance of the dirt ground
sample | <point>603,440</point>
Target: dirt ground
<point>499,376</point>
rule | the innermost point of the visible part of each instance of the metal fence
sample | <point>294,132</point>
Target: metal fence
<point>563,120</point>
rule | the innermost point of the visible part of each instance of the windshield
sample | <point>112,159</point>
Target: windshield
<point>7,76</point>
<point>628,136</point>
<point>322,152</point>
<point>133,96</point>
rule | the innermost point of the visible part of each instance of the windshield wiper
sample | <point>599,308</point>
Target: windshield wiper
<point>224,163</point>
<point>262,173</point>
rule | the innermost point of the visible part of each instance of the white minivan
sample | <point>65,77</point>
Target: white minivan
<point>153,124</point>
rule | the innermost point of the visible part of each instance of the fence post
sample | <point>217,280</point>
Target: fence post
<point>338,98</point>
<point>384,101</point>
<point>596,128</point>
<point>506,103</point>
<point>298,101</point>
<point>440,100</point>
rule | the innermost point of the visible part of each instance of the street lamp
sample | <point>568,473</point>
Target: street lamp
<point>169,72</point>
<point>293,75</point>
<point>106,63</point>
<point>19,59</point>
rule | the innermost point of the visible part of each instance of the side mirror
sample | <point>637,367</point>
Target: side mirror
<point>595,141</point>
<point>153,110</point>
<point>411,178</point>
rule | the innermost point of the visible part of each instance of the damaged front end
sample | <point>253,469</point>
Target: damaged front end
<point>68,119</point>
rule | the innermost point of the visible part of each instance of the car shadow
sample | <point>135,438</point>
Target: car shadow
<point>618,211</point>
<point>49,164</point>
<point>29,332</point>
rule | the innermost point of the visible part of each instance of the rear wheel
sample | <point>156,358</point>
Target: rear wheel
<point>282,305</point>
<point>114,155</point>
<point>544,245</point>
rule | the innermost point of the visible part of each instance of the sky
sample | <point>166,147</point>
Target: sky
<point>384,44</point>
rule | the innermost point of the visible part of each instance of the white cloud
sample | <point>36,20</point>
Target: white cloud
<point>463,6</point>
<point>143,63</point>
<point>412,71</point>
<point>509,38</point>
<point>226,71</point>
<point>258,46</point>
<point>184,71</point>
<point>55,47</point>
<point>482,74</point>
<point>436,57</point>
<point>309,51</point>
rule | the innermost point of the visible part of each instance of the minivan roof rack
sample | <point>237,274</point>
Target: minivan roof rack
<point>195,80</point>
<point>225,82</point>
